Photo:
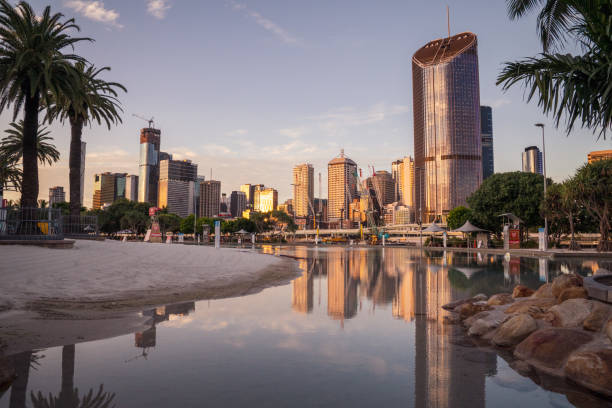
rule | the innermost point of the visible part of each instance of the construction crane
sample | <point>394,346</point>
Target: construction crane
<point>151,123</point>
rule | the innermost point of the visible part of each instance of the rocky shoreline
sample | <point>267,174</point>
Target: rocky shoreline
<point>556,330</point>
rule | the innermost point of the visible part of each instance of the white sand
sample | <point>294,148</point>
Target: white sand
<point>111,270</point>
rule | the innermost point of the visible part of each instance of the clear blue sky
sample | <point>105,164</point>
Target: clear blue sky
<point>250,88</point>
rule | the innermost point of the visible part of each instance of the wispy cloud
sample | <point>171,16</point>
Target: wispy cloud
<point>237,132</point>
<point>496,103</point>
<point>266,23</point>
<point>94,10</point>
<point>158,8</point>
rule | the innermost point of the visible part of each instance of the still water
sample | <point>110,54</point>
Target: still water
<point>360,327</point>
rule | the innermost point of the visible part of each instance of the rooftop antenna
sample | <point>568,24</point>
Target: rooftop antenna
<point>342,152</point>
<point>448,20</point>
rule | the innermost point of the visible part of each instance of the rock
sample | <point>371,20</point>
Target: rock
<point>451,319</point>
<point>514,330</point>
<point>486,323</point>
<point>608,329</point>
<point>591,369</point>
<point>500,299</point>
<point>469,309</point>
<point>521,291</point>
<point>453,305</point>
<point>549,348</point>
<point>571,313</point>
<point>598,317</point>
<point>480,297</point>
<point>574,292</point>
<point>564,282</point>
<point>544,291</point>
<point>523,305</point>
<point>470,320</point>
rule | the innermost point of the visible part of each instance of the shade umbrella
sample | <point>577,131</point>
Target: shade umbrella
<point>241,232</point>
<point>467,228</point>
<point>433,228</point>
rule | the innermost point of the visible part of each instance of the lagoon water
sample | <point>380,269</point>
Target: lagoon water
<point>360,327</point>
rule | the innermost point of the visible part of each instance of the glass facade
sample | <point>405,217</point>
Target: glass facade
<point>486,132</point>
<point>447,142</point>
<point>148,180</point>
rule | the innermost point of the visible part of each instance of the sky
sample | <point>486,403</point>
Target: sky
<point>247,89</point>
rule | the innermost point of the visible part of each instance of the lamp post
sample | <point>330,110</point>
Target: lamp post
<point>541,125</point>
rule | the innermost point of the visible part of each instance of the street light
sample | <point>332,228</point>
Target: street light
<point>541,125</point>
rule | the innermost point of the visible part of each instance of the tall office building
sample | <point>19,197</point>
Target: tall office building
<point>196,193</point>
<point>447,142</point>
<point>108,187</point>
<point>249,190</point>
<point>266,199</point>
<point>176,186</point>
<point>486,137</point>
<point>82,171</point>
<point>383,185</point>
<point>131,187</point>
<point>599,155</point>
<point>148,180</point>
<point>303,189</point>
<point>341,187</point>
<point>402,172</point>
<point>56,195</point>
<point>532,160</point>
<point>238,203</point>
<point>210,198</point>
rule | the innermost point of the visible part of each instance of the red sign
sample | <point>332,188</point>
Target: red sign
<point>155,232</point>
<point>514,238</point>
<point>152,211</point>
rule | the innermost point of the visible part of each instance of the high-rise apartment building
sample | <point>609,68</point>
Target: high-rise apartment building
<point>303,189</point>
<point>532,160</point>
<point>266,199</point>
<point>447,141</point>
<point>486,137</point>
<point>238,203</point>
<point>148,180</point>
<point>56,195</point>
<point>176,186</point>
<point>131,187</point>
<point>108,187</point>
<point>210,198</point>
<point>599,155</point>
<point>383,185</point>
<point>341,187</point>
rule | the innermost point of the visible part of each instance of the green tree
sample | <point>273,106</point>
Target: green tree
<point>458,216</point>
<point>187,224</point>
<point>93,100</point>
<point>168,223</point>
<point>593,190</point>
<point>516,192</point>
<point>12,145</point>
<point>33,71</point>
<point>562,208</point>
<point>109,219</point>
<point>134,220</point>
<point>573,88</point>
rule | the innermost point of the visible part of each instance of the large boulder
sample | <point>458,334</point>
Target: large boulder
<point>608,329</point>
<point>469,309</point>
<point>598,317</point>
<point>500,299</point>
<point>564,282</point>
<point>484,322</point>
<point>521,291</point>
<point>571,313</point>
<point>531,305</point>
<point>591,369</point>
<point>514,330</point>
<point>574,292</point>
<point>544,291</point>
<point>549,348</point>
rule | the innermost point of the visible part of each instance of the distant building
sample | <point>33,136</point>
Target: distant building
<point>402,172</point>
<point>599,155</point>
<point>56,195</point>
<point>210,198</point>
<point>224,204</point>
<point>249,190</point>
<point>341,187</point>
<point>176,186</point>
<point>108,187</point>
<point>238,203</point>
<point>532,160</point>
<point>303,189</point>
<point>287,207</point>
<point>320,205</point>
<point>266,200</point>
<point>196,194</point>
<point>486,134</point>
<point>148,179</point>
<point>131,187</point>
<point>383,185</point>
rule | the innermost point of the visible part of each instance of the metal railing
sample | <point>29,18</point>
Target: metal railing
<point>31,223</point>
<point>80,226</point>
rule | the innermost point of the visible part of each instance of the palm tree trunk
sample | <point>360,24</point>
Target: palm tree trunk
<point>67,394</point>
<point>76,130</point>
<point>604,231</point>
<point>29,188</point>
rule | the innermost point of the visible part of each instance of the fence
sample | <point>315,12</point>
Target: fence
<point>30,223</point>
<point>80,226</point>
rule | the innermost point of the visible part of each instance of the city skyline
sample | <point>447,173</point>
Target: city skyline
<point>246,117</point>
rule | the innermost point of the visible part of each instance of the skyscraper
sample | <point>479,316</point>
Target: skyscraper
<point>56,195</point>
<point>266,199</point>
<point>148,179</point>
<point>383,185</point>
<point>176,186</point>
<point>341,187</point>
<point>303,189</point>
<point>486,134</point>
<point>131,187</point>
<point>402,172</point>
<point>196,193</point>
<point>238,203</point>
<point>210,198</point>
<point>532,160</point>
<point>447,142</point>
<point>108,187</point>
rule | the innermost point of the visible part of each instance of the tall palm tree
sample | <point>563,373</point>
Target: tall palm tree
<point>12,145</point>
<point>10,175</point>
<point>573,87</point>
<point>33,69</point>
<point>95,100</point>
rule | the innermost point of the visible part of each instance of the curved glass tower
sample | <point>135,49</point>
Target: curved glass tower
<point>447,143</point>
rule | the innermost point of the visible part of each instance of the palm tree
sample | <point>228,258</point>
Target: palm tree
<point>12,145</point>
<point>33,70</point>
<point>94,100</point>
<point>573,87</point>
<point>10,175</point>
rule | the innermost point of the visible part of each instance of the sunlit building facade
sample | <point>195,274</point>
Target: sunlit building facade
<point>303,189</point>
<point>266,200</point>
<point>341,187</point>
<point>210,198</point>
<point>599,155</point>
<point>176,186</point>
<point>532,160</point>
<point>447,141</point>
